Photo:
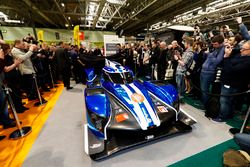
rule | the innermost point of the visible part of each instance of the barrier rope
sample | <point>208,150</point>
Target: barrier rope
<point>225,95</point>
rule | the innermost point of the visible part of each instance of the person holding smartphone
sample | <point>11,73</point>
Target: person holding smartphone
<point>4,115</point>
<point>184,62</point>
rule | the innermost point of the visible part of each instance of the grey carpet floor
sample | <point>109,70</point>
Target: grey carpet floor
<point>61,141</point>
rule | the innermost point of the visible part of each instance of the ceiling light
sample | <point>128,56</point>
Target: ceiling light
<point>119,2</point>
<point>66,25</point>
<point>13,21</point>
<point>62,4</point>
<point>69,18</point>
<point>90,18</point>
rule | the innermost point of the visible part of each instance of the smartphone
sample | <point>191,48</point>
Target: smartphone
<point>177,52</point>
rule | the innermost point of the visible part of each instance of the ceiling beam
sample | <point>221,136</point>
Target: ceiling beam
<point>183,6</point>
<point>75,14</point>
<point>144,6</point>
<point>21,13</point>
<point>61,12</point>
<point>37,10</point>
<point>100,8</point>
<point>153,13</point>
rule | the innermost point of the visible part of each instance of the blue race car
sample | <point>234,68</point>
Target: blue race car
<point>122,112</point>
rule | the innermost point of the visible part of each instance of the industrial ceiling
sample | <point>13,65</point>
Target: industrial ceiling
<point>126,16</point>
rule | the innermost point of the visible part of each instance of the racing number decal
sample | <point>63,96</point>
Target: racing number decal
<point>162,109</point>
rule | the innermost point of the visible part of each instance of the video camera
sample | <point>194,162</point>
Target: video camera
<point>30,39</point>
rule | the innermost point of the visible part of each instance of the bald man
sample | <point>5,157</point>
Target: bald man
<point>162,61</point>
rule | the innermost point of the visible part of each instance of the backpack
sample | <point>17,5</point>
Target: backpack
<point>233,158</point>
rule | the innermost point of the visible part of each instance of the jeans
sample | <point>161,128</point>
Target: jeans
<point>29,86</point>
<point>206,80</point>
<point>226,102</point>
<point>243,140</point>
<point>4,114</point>
<point>180,81</point>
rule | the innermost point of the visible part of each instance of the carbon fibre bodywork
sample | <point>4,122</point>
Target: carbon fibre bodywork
<point>123,112</point>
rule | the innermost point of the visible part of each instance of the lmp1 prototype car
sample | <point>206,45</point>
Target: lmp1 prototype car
<point>122,112</point>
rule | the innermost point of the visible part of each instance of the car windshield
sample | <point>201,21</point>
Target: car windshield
<point>121,78</point>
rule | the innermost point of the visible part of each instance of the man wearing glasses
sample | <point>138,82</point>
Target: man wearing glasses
<point>235,78</point>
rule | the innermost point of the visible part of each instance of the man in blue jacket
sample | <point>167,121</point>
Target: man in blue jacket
<point>243,29</point>
<point>208,71</point>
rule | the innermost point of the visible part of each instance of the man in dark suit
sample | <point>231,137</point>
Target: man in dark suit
<point>64,64</point>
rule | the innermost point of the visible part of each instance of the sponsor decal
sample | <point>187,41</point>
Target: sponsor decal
<point>149,137</point>
<point>121,117</point>
<point>95,145</point>
<point>162,109</point>
<point>138,98</point>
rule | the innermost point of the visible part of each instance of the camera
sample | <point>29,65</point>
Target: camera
<point>30,39</point>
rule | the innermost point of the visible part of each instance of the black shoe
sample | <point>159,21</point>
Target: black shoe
<point>69,87</point>
<point>20,110</point>
<point>46,90</point>
<point>44,101</point>
<point>25,108</point>
<point>33,98</point>
<point>2,137</point>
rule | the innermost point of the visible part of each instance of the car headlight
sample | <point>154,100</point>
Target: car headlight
<point>98,121</point>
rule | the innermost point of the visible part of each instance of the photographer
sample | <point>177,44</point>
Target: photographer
<point>4,115</point>
<point>234,77</point>
<point>184,63</point>
<point>243,29</point>
<point>26,67</point>
<point>13,79</point>
<point>198,36</point>
<point>226,32</point>
<point>40,61</point>
<point>208,71</point>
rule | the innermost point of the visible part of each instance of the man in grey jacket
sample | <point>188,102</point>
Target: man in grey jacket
<point>184,63</point>
<point>26,67</point>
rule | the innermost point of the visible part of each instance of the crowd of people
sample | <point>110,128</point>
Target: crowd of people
<point>29,68</point>
<point>201,65</point>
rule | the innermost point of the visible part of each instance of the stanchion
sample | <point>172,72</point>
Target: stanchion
<point>21,131</point>
<point>41,101</point>
<point>135,63</point>
<point>51,76</point>
<point>52,80</point>
<point>241,130</point>
<point>124,62</point>
<point>152,72</point>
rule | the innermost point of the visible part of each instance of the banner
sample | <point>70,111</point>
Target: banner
<point>110,42</point>
<point>76,35</point>
<point>40,35</point>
